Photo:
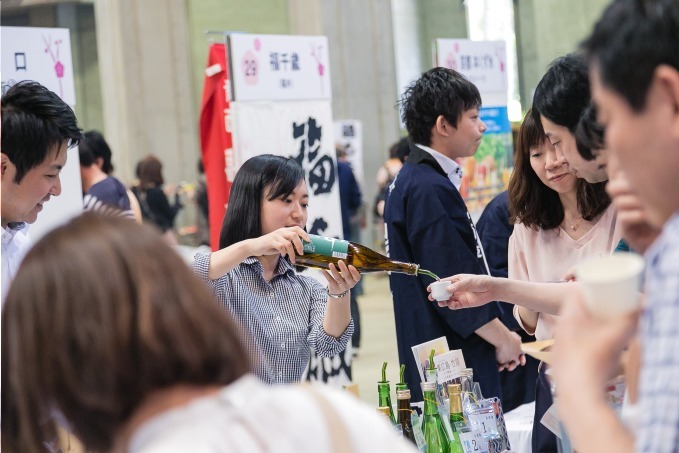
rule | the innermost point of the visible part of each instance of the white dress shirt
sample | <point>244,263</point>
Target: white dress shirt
<point>15,245</point>
<point>449,166</point>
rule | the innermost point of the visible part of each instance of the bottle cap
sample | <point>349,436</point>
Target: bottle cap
<point>402,394</point>
<point>428,386</point>
<point>454,388</point>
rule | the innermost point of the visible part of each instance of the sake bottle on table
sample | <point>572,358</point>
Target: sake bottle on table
<point>456,415</point>
<point>432,426</point>
<point>431,375</point>
<point>402,384</point>
<point>322,251</point>
<point>404,411</point>
<point>384,393</point>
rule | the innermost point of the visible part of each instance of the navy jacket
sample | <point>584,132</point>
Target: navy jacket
<point>427,223</point>
<point>350,196</point>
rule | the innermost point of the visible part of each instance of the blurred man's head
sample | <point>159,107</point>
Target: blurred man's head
<point>634,69</point>
<point>37,129</point>
<point>590,161</point>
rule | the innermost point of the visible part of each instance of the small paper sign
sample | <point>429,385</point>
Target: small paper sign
<point>449,365</point>
<point>473,442</point>
<point>484,423</point>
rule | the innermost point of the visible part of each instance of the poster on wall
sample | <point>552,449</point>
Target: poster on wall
<point>485,174</point>
<point>44,55</point>
<point>349,135</point>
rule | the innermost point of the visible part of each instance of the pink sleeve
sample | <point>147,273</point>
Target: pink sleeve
<point>518,270</point>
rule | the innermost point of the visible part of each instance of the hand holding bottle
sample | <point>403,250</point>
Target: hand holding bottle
<point>341,278</point>
<point>286,241</point>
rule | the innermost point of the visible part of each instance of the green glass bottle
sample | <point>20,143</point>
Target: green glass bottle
<point>403,405</point>
<point>402,384</point>
<point>384,393</point>
<point>432,426</point>
<point>431,375</point>
<point>456,415</point>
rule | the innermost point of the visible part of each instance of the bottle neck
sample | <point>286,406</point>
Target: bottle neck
<point>384,391</point>
<point>404,410</point>
<point>430,407</point>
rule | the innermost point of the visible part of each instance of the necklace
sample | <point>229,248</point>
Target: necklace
<point>574,223</point>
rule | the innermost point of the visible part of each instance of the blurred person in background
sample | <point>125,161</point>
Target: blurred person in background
<point>98,147</point>
<point>101,192</point>
<point>350,203</point>
<point>154,203</point>
<point>144,361</point>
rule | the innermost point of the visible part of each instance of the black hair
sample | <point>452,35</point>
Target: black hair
<point>35,121</point>
<point>589,134</point>
<point>439,91</point>
<point>261,176</point>
<point>632,38</point>
<point>93,146</point>
<point>563,92</point>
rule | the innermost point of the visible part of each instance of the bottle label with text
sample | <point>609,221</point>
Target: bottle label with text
<point>335,248</point>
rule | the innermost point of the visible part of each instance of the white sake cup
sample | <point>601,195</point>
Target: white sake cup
<point>438,290</point>
<point>611,284</point>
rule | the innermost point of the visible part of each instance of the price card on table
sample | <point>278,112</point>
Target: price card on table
<point>473,442</point>
<point>484,423</point>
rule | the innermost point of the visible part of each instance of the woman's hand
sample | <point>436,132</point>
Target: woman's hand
<point>285,241</point>
<point>467,291</point>
<point>341,277</point>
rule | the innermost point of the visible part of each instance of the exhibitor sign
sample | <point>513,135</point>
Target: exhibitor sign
<point>279,67</point>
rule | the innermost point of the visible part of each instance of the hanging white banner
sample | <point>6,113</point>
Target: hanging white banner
<point>303,131</point>
<point>279,67</point>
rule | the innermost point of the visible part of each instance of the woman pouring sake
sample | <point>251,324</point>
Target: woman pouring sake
<point>253,276</point>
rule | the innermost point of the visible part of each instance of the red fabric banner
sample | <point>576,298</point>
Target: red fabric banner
<point>215,139</point>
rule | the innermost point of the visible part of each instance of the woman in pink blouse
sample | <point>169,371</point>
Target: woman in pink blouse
<point>560,220</point>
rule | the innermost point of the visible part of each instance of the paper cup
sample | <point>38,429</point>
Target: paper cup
<point>438,290</point>
<point>611,284</point>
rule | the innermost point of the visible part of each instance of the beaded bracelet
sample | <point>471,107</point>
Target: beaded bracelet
<point>338,296</point>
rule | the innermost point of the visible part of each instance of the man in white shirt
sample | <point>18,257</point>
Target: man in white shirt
<point>37,129</point>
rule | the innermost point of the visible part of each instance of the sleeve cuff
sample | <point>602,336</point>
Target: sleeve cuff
<point>329,346</point>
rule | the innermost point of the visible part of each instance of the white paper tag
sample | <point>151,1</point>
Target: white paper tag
<point>551,421</point>
<point>484,423</point>
<point>449,365</point>
<point>473,442</point>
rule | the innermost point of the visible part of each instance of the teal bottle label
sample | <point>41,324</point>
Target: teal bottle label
<point>332,247</point>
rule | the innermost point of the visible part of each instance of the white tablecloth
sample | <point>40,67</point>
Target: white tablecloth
<point>520,427</point>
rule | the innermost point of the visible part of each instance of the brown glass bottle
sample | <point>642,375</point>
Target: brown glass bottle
<point>403,405</point>
<point>322,251</point>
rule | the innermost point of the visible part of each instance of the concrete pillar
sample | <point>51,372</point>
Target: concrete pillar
<point>363,73</point>
<point>547,29</point>
<point>147,85</point>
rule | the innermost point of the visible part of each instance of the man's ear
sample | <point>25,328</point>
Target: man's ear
<point>443,127</point>
<point>4,161</point>
<point>668,79</point>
